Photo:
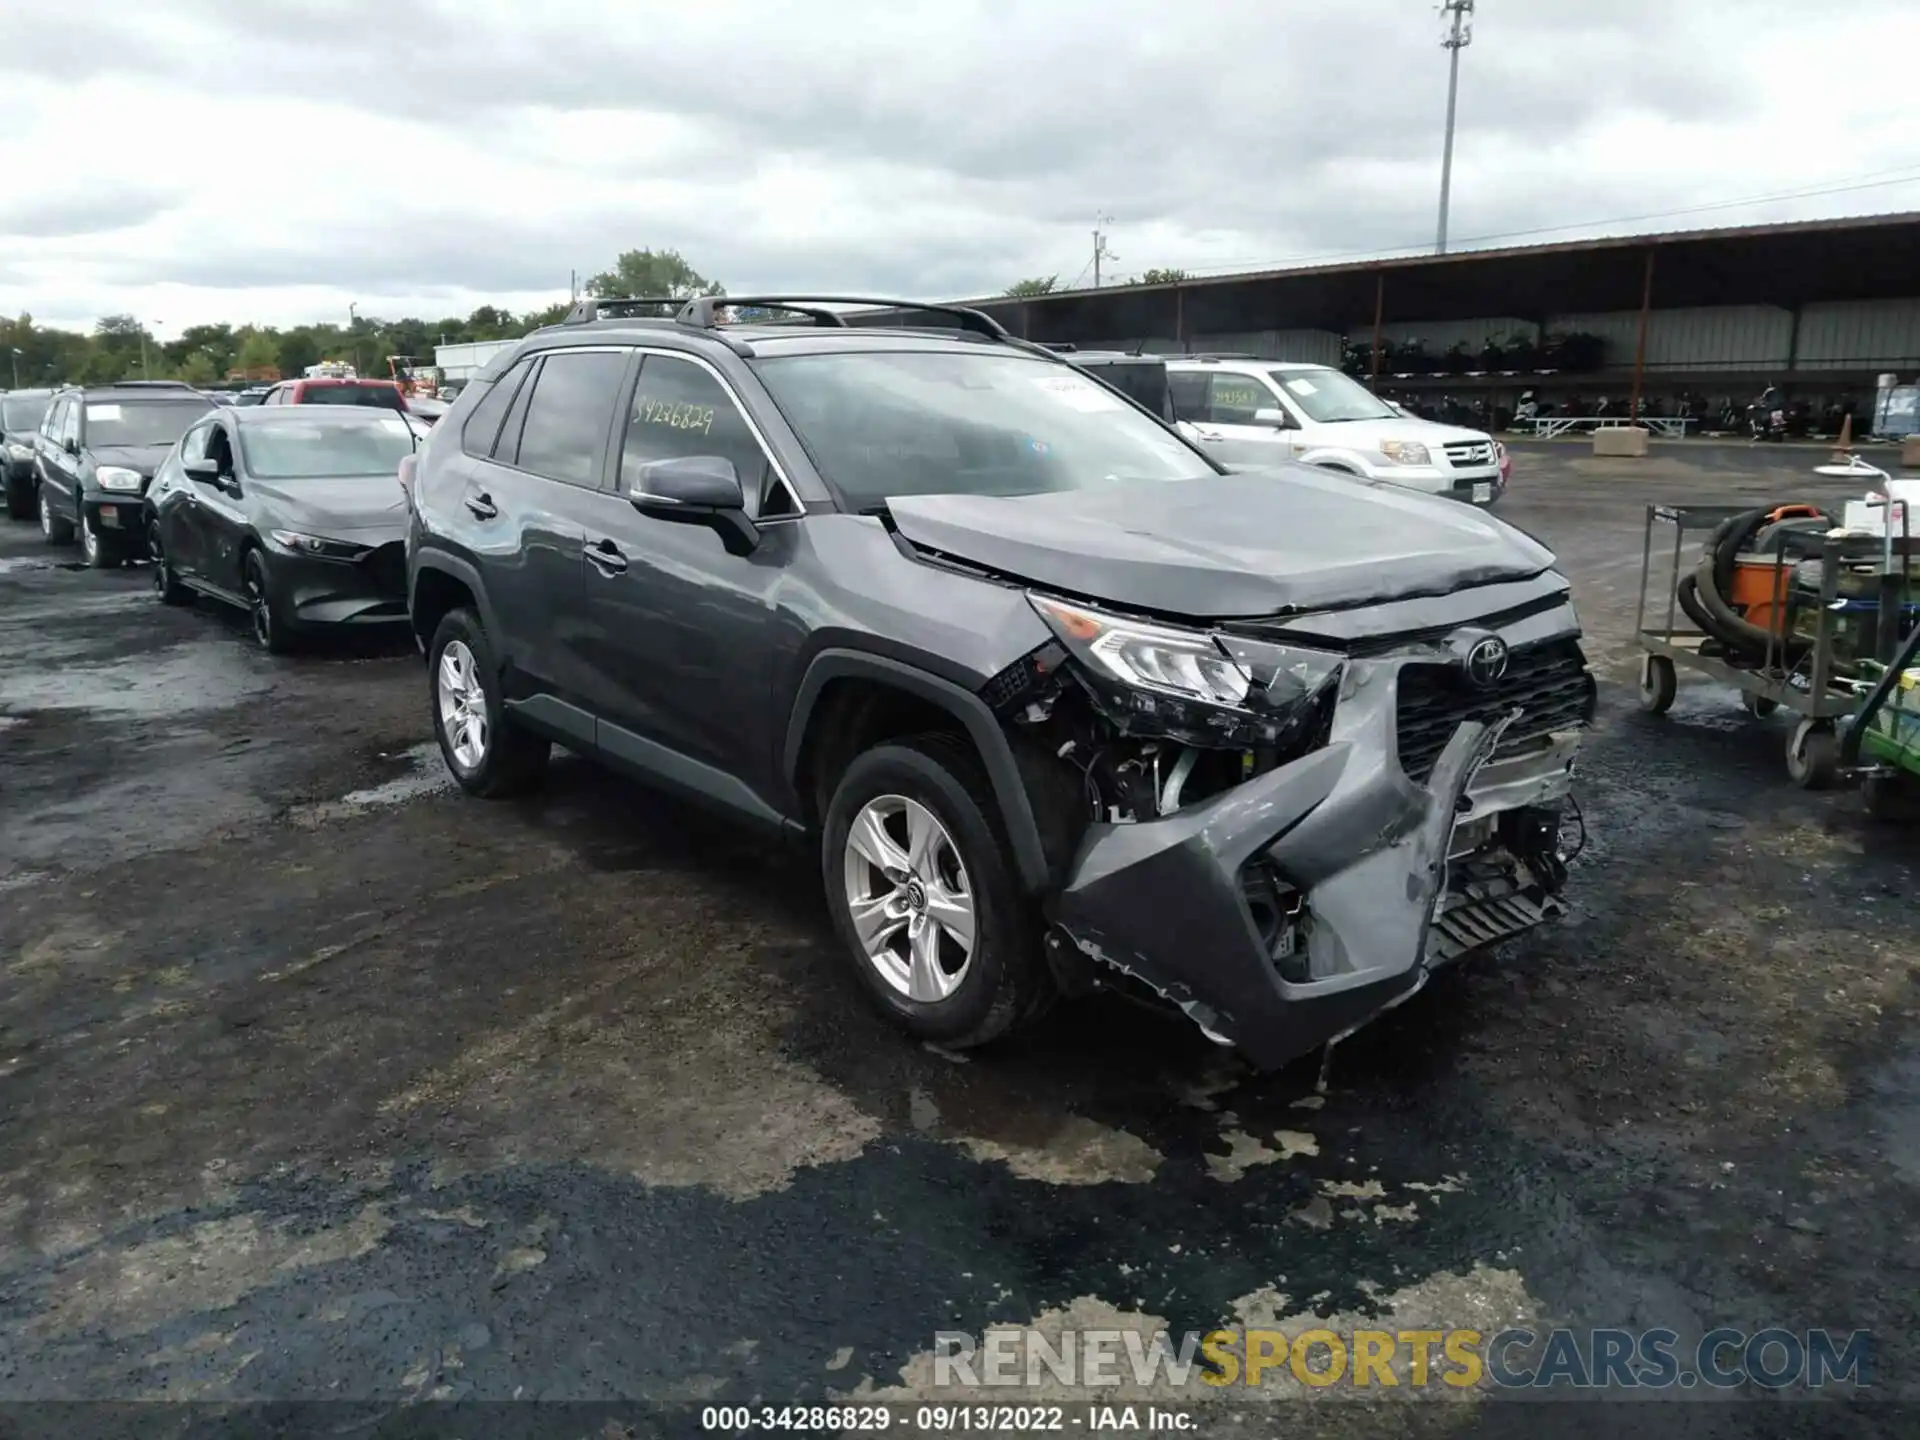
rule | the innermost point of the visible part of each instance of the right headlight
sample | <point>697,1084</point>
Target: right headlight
<point>1187,663</point>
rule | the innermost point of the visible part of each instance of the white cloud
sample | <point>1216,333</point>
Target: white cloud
<point>193,160</point>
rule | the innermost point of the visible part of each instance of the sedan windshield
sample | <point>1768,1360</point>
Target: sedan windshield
<point>141,422</point>
<point>1329,397</point>
<point>885,423</point>
<point>291,451</point>
<point>24,412</point>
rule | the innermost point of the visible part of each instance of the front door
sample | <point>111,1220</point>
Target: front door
<point>219,519</point>
<point>1229,430</point>
<point>174,496</point>
<point>683,631</point>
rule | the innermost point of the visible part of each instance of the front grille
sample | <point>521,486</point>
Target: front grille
<point>1548,683</point>
<point>1466,454</point>
<point>386,567</point>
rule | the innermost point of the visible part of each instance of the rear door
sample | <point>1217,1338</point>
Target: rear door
<point>522,515</point>
<point>61,459</point>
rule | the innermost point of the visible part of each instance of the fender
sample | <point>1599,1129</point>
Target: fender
<point>1016,810</point>
<point>460,570</point>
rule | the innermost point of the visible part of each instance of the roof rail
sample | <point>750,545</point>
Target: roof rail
<point>699,312</point>
<point>141,385</point>
<point>1222,355</point>
<point>590,308</point>
<point>1058,347</point>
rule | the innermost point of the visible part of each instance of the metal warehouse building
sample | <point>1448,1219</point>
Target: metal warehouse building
<point>1819,307</point>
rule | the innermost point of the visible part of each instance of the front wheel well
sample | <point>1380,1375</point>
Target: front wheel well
<point>852,715</point>
<point>435,595</point>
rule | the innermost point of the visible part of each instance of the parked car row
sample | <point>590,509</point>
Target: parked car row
<point>289,510</point>
<point>1072,676</point>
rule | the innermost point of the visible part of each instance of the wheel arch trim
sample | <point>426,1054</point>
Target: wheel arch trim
<point>1009,791</point>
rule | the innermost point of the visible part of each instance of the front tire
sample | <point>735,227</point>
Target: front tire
<point>488,754</point>
<point>270,629</point>
<point>924,895</point>
<point>101,552</point>
<point>20,504</point>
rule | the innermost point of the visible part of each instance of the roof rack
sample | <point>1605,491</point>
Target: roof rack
<point>1058,347</point>
<point>699,313</point>
<point>622,307</point>
<point>1222,355</point>
<point>142,385</point>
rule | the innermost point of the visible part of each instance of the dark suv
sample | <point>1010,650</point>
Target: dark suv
<point>21,412</point>
<point>95,455</point>
<point>1060,701</point>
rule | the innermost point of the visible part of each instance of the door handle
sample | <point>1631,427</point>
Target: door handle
<point>482,507</point>
<point>606,557</point>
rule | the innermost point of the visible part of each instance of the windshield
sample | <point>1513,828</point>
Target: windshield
<point>1329,397</point>
<point>385,397</point>
<point>141,422</point>
<point>24,412</point>
<point>292,451</point>
<point>937,423</point>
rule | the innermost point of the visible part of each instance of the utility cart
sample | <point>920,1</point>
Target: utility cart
<point>1804,616</point>
<point>1881,746</point>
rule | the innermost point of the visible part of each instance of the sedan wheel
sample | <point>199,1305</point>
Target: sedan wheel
<point>463,705</point>
<point>908,895</point>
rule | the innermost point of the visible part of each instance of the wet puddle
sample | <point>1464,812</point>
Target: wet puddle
<point>171,682</point>
<point>423,773</point>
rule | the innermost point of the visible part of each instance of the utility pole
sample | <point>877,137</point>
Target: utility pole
<point>1457,38</point>
<point>573,287</point>
<point>1100,251</point>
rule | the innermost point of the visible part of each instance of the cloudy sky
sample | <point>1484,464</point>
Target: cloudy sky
<point>273,161</point>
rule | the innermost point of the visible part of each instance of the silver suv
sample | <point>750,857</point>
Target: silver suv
<point>1247,411</point>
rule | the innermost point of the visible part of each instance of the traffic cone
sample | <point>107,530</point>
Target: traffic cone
<point>1846,435</point>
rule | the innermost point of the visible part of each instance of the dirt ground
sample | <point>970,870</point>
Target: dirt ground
<point>318,1080</point>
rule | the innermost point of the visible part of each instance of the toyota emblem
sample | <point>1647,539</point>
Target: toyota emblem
<point>1487,662</point>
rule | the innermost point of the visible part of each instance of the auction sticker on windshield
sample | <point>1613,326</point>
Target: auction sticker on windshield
<point>103,412</point>
<point>1301,387</point>
<point>1078,394</point>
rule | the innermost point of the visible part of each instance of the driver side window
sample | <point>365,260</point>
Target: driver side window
<point>193,445</point>
<point>679,410</point>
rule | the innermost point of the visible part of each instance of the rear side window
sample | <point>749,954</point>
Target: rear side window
<point>568,416</point>
<point>483,425</point>
<point>1189,395</point>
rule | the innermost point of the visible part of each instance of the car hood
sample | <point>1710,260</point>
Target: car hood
<point>143,458</point>
<point>354,506</point>
<point>1367,434</point>
<point>1257,542</point>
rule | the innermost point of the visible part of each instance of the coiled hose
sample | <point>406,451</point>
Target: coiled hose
<point>1703,593</point>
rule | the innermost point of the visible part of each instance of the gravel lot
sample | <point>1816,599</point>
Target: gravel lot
<point>319,1080</point>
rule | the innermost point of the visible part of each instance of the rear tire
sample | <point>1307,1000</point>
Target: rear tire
<point>53,529</point>
<point>165,584</point>
<point>492,758</point>
<point>1003,981</point>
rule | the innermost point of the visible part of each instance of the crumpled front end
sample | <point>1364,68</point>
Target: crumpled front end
<point>1422,821</point>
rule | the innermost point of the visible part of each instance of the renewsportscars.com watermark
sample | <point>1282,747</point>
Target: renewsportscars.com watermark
<point>1513,1359</point>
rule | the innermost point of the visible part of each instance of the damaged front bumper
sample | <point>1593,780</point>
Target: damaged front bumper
<point>1283,913</point>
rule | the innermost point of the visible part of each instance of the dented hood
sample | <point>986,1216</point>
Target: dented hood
<point>1259,542</point>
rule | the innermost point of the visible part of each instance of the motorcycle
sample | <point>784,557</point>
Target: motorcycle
<point>1767,416</point>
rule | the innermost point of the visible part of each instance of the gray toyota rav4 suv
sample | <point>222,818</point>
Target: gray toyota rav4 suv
<point>1061,702</point>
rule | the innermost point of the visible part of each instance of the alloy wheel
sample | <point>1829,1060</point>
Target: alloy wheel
<point>908,895</point>
<point>463,705</point>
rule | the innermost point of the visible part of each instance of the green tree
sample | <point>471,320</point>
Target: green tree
<point>653,272</point>
<point>552,315</point>
<point>1161,277</point>
<point>1038,285</point>
<point>259,350</point>
<point>197,369</point>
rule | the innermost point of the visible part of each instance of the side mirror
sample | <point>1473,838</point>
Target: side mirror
<point>1278,419</point>
<point>697,490</point>
<point>71,446</point>
<point>203,470</point>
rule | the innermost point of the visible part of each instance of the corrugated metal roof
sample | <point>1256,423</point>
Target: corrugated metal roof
<point>1458,257</point>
